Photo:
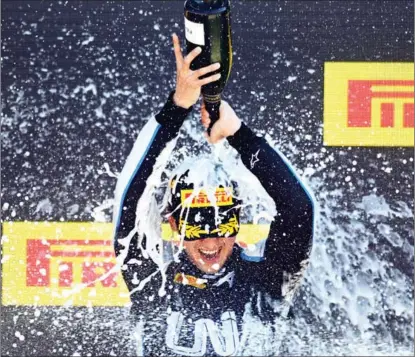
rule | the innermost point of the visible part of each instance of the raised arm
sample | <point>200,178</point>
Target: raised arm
<point>289,242</point>
<point>152,140</point>
<point>150,143</point>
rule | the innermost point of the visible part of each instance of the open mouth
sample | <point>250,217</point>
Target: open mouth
<point>210,255</point>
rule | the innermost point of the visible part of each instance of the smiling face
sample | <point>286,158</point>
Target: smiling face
<point>209,254</point>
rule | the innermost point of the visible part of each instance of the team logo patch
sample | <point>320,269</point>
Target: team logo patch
<point>223,198</point>
<point>184,279</point>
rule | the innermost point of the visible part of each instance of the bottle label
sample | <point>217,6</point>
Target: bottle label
<point>195,32</point>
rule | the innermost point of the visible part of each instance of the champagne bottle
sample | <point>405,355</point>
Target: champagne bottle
<point>208,25</point>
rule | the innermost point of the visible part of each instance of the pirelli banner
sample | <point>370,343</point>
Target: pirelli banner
<point>368,104</point>
<point>70,264</point>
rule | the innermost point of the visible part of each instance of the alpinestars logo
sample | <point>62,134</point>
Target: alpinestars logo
<point>254,159</point>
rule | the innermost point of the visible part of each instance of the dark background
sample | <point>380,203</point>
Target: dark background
<point>79,79</point>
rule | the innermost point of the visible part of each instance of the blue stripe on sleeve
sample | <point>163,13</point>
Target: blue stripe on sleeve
<point>135,173</point>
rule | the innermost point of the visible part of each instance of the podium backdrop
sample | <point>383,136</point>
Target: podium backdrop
<point>330,83</point>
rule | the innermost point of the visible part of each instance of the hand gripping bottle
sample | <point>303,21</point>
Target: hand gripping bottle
<point>208,25</point>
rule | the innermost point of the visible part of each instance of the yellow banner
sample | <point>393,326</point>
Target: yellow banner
<point>368,104</point>
<point>71,264</point>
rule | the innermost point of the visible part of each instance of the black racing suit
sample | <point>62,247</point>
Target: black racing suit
<point>213,320</point>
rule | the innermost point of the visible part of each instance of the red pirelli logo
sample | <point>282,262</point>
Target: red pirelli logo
<point>368,104</point>
<point>223,198</point>
<point>40,254</point>
<point>395,97</point>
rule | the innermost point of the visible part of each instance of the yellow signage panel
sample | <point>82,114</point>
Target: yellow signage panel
<point>368,104</point>
<point>71,264</point>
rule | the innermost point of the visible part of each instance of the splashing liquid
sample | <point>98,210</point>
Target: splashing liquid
<point>351,301</point>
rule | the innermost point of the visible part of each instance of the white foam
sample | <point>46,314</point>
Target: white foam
<point>350,290</point>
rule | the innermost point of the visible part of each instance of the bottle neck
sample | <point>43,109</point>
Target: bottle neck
<point>213,2</point>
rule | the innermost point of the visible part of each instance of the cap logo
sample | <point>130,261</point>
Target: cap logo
<point>223,198</point>
<point>196,232</point>
<point>228,229</point>
<point>191,231</point>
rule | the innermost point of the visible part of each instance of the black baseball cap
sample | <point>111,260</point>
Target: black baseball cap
<point>204,210</point>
